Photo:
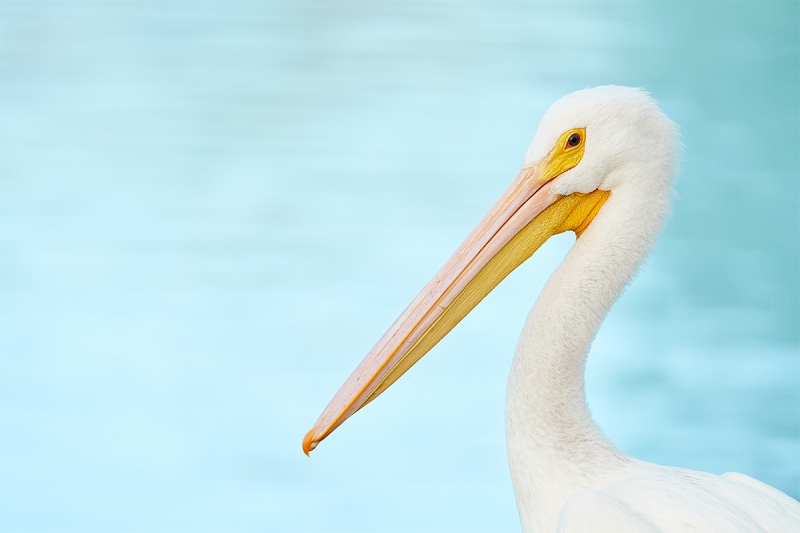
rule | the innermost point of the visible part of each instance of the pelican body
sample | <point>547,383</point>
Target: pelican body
<point>601,164</point>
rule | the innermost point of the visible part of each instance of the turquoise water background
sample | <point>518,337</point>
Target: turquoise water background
<point>210,211</point>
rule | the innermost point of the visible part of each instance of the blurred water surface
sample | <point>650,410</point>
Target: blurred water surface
<point>209,211</point>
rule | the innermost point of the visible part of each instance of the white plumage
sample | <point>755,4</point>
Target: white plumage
<point>567,476</point>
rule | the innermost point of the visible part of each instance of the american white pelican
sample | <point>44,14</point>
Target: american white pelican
<point>601,165</point>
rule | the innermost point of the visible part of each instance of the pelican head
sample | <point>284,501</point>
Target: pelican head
<point>622,128</point>
<point>589,145</point>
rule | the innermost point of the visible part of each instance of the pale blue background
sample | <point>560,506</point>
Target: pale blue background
<point>209,211</point>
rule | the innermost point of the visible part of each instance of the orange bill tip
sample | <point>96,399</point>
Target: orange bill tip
<point>308,443</point>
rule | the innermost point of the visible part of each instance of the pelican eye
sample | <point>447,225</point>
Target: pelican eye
<point>573,140</point>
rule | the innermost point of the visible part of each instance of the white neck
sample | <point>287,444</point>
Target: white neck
<point>554,447</point>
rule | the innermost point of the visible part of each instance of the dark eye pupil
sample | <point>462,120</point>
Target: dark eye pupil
<point>574,139</point>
